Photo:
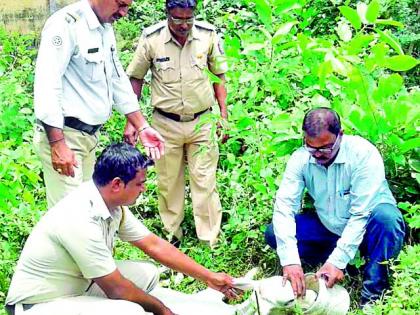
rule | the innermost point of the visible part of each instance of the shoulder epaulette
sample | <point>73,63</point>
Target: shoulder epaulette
<point>154,28</point>
<point>71,17</point>
<point>204,25</point>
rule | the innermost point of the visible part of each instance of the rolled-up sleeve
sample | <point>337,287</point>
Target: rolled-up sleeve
<point>287,205</point>
<point>366,182</point>
<point>142,60</point>
<point>55,50</point>
<point>131,229</point>
<point>217,59</point>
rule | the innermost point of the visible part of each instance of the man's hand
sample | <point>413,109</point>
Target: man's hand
<point>330,273</point>
<point>222,127</point>
<point>295,274</point>
<point>63,159</point>
<point>223,283</point>
<point>131,134</point>
<point>152,142</point>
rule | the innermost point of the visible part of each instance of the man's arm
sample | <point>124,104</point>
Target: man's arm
<point>221,94</point>
<point>165,253</point>
<point>131,133</point>
<point>117,287</point>
<point>126,102</point>
<point>54,54</point>
<point>63,158</point>
<point>287,204</point>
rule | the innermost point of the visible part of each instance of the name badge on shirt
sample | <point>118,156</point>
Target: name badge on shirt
<point>163,59</point>
<point>93,50</point>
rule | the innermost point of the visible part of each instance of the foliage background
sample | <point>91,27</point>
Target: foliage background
<point>285,57</point>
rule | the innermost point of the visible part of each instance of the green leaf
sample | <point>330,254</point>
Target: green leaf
<point>410,145</point>
<point>212,77</point>
<point>401,63</point>
<point>265,32</point>
<point>390,40</point>
<point>390,85</point>
<point>389,22</point>
<point>264,12</point>
<point>359,42</point>
<point>372,12</point>
<point>352,16</point>
<point>288,7</point>
<point>231,158</point>
<point>253,47</point>
<point>282,30</point>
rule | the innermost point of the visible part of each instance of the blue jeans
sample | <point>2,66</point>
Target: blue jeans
<point>382,241</point>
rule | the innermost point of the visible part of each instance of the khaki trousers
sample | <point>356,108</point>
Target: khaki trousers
<point>187,144</point>
<point>82,144</point>
<point>143,274</point>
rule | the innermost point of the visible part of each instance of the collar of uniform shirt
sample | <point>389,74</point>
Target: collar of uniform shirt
<point>91,17</point>
<point>99,207</point>
<point>168,35</point>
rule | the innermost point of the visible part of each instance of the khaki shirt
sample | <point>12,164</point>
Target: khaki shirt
<point>179,84</point>
<point>70,245</point>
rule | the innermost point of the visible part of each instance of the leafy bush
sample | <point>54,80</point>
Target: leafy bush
<point>21,188</point>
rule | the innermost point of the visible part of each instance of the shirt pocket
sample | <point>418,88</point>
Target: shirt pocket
<point>198,66</point>
<point>94,67</point>
<point>167,72</point>
<point>343,204</point>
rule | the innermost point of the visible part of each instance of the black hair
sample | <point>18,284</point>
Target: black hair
<point>320,119</point>
<point>184,4</point>
<point>119,160</point>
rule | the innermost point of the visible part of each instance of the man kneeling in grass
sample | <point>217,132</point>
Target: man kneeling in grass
<point>66,266</point>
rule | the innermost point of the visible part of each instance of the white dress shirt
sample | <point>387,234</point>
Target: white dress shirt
<point>78,73</point>
<point>344,193</point>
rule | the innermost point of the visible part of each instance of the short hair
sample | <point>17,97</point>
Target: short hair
<point>119,160</point>
<point>320,119</point>
<point>184,4</point>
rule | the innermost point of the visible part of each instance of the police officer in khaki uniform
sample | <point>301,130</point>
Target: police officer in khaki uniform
<point>178,51</point>
<point>78,79</point>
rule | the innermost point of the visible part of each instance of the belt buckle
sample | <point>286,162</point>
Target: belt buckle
<point>186,117</point>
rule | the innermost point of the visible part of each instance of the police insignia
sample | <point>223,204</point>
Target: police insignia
<point>57,41</point>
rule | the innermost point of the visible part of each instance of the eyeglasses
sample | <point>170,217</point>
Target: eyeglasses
<point>182,21</point>
<point>322,150</point>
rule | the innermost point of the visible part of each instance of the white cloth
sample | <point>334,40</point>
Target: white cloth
<point>78,72</point>
<point>344,193</point>
<point>71,244</point>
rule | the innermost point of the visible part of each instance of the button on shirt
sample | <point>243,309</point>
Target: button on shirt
<point>78,72</point>
<point>70,245</point>
<point>179,83</point>
<point>344,193</point>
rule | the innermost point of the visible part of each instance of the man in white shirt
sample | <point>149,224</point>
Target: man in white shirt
<point>67,267</point>
<point>78,80</point>
<point>354,208</point>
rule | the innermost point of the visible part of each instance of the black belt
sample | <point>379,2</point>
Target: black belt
<point>10,309</point>
<point>182,118</point>
<point>75,123</point>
